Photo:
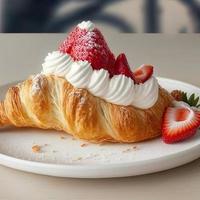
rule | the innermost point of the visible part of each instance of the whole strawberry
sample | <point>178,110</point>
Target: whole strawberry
<point>89,46</point>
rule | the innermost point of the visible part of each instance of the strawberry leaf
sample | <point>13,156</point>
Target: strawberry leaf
<point>192,100</point>
<point>196,101</point>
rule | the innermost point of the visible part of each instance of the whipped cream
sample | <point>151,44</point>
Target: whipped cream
<point>146,94</point>
<point>79,74</point>
<point>99,83</point>
<point>57,63</point>
<point>119,89</point>
<point>88,25</point>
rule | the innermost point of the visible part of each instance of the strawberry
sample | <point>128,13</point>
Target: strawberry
<point>143,73</point>
<point>179,123</point>
<point>89,46</point>
<point>122,66</point>
<point>67,44</point>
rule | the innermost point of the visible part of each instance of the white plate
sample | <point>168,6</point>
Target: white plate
<point>72,158</point>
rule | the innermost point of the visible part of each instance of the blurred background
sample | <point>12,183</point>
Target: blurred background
<point>128,16</point>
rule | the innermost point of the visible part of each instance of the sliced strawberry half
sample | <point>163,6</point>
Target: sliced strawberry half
<point>143,73</point>
<point>122,66</point>
<point>179,123</point>
<point>89,46</point>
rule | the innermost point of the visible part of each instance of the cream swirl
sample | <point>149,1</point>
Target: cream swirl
<point>119,89</point>
<point>57,63</point>
<point>88,25</point>
<point>79,74</point>
<point>99,82</point>
<point>146,94</point>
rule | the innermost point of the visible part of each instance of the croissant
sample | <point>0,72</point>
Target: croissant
<point>51,102</point>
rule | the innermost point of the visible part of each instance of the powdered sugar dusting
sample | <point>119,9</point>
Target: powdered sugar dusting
<point>82,101</point>
<point>37,83</point>
<point>91,42</point>
<point>76,93</point>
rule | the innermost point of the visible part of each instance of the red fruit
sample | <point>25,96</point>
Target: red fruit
<point>66,45</point>
<point>143,73</point>
<point>122,66</point>
<point>179,123</point>
<point>89,46</point>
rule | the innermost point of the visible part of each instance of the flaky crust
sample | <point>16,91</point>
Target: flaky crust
<point>50,102</point>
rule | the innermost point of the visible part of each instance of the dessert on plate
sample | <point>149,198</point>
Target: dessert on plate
<point>84,90</point>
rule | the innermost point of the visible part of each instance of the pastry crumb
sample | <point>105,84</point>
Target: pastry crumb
<point>62,137</point>
<point>36,148</point>
<point>95,155</point>
<point>84,145</point>
<point>126,150</point>
<point>77,159</point>
<point>134,147</point>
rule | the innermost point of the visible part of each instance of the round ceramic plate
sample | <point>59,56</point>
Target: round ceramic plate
<point>63,156</point>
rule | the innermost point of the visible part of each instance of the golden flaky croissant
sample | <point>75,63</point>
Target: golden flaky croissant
<point>51,102</point>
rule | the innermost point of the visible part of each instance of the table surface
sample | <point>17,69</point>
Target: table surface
<point>175,56</point>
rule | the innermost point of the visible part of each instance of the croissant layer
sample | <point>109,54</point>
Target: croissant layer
<point>50,102</point>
